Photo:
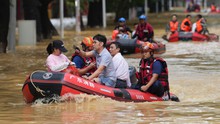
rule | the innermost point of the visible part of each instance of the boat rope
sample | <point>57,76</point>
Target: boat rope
<point>37,88</point>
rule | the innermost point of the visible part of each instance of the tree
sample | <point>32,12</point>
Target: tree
<point>95,13</point>
<point>37,10</point>
<point>48,29</point>
<point>121,9</point>
<point>4,24</point>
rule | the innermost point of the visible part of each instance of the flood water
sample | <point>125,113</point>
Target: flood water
<point>194,70</point>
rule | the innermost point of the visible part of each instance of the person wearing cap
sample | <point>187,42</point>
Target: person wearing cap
<point>172,27</point>
<point>105,73</point>
<point>85,64</point>
<point>121,31</point>
<point>121,66</point>
<point>122,26</point>
<point>153,73</point>
<point>144,31</point>
<point>57,61</point>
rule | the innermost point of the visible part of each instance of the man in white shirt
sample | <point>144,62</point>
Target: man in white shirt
<point>121,66</point>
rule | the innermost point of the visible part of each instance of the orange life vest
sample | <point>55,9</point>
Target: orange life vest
<point>184,27</point>
<point>146,72</point>
<point>213,8</point>
<point>72,70</point>
<point>199,26</point>
<point>173,26</point>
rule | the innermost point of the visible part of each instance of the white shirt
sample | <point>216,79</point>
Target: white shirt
<point>121,68</point>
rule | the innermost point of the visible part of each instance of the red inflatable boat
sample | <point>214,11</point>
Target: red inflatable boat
<point>47,84</point>
<point>130,46</point>
<point>189,36</point>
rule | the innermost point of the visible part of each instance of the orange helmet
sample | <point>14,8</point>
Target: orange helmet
<point>114,34</point>
<point>146,46</point>
<point>88,41</point>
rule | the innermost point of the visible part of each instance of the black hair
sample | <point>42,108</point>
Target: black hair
<point>50,48</point>
<point>188,16</point>
<point>117,44</point>
<point>199,16</point>
<point>174,15</point>
<point>100,38</point>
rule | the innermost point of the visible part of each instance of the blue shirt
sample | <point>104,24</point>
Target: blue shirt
<point>79,61</point>
<point>105,59</point>
<point>157,67</point>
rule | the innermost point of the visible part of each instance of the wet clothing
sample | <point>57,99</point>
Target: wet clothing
<point>186,25</point>
<point>144,31</point>
<point>151,66</point>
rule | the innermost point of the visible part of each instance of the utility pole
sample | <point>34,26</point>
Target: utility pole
<point>104,13</point>
<point>77,6</point>
<point>61,20</point>
<point>146,7</point>
<point>12,26</point>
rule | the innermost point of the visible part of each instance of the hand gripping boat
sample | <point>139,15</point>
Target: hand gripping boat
<point>46,84</point>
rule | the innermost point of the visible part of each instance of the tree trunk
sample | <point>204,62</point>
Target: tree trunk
<point>4,24</point>
<point>95,13</point>
<point>48,29</point>
<point>38,10</point>
<point>32,12</point>
<point>121,10</point>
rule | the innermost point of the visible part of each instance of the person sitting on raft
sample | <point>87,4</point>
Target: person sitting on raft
<point>105,67</point>
<point>121,66</point>
<point>56,61</point>
<point>173,26</point>
<point>213,7</point>
<point>121,31</point>
<point>201,26</point>
<point>153,73</point>
<point>186,25</point>
<point>85,64</point>
<point>144,31</point>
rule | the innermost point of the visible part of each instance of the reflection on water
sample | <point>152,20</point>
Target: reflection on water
<point>194,70</point>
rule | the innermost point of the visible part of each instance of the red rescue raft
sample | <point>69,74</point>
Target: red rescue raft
<point>47,84</point>
<point>130,46</point>
<point>189,36</point>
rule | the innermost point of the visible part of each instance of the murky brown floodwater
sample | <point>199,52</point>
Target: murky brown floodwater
<point>194,77</point>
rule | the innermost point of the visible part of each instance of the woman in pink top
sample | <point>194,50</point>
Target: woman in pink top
<point>56,61</point>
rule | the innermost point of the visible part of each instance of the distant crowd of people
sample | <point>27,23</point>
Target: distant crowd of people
<point>200,26</point>
<point>192,6</point>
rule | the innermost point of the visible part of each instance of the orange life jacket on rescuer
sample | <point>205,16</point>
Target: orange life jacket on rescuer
<point>213,8</point>
<point>184,27</point>
<point>72,70</point>
<point>146,72</point>
<point>199,26</point>
<point>173,26</point>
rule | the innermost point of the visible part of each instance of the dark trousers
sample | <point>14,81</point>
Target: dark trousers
<point>121,84</point>
<point>156,88</point>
